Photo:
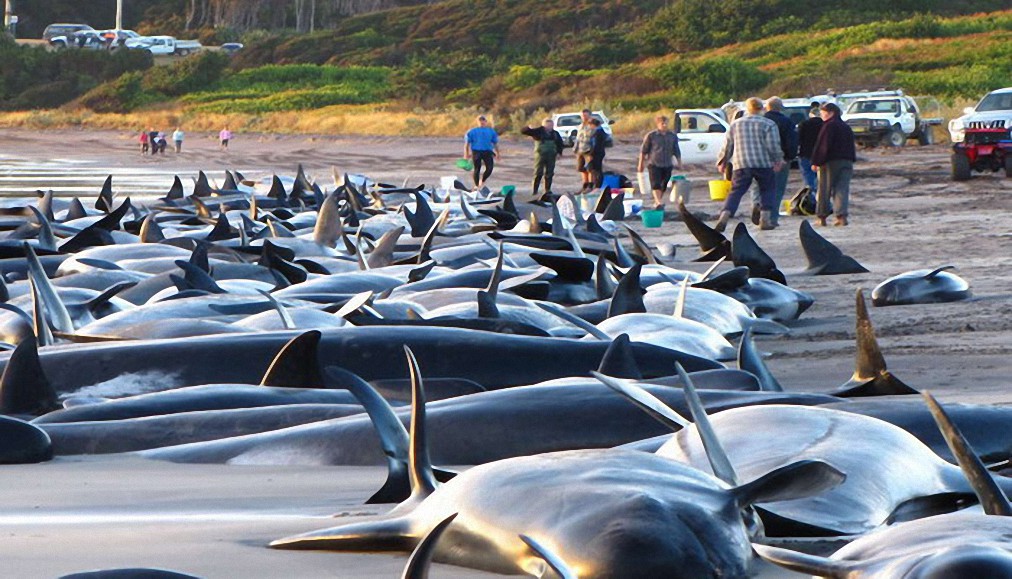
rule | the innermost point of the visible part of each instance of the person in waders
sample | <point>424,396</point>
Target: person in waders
<point>548,146</point>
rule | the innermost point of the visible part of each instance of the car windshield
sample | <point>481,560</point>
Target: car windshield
<point>996,102</point>
<point>568,121</point>
<point>874,107</point>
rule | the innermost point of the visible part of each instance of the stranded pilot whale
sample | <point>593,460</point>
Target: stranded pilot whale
<point>921,287</point>
<point>603,512</point>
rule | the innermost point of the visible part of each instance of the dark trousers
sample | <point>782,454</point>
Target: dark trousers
<point>596,168</point>
<point>544,166</point>
<point>480,158</point>
<point>740,181</point>
<point>834,188</point>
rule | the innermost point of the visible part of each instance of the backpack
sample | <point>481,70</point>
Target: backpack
<point>803,202</point>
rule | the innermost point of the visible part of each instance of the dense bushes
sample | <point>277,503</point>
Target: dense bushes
<point>33,77</point>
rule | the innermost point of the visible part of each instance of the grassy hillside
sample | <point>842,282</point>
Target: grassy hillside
<point>400,65</point>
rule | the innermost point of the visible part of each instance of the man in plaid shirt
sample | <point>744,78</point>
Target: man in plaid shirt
<point>753,147</point>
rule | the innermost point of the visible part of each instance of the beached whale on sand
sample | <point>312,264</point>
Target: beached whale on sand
<point>921,287</point>
<point>603,512</point>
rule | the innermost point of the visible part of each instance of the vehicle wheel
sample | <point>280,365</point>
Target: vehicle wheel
<point>961,167</point>
<point>926,137</point>
<point>895,138</point>
<point>1008,165</point>
<point>184,52</point>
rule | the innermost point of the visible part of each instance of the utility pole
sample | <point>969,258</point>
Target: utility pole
<point>8,16</point>
<point>119,14</point>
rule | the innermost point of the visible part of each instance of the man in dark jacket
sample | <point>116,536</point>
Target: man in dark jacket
<point>833,157</point>
<point>548,146</point>
<point>808,131</point>
<point>598,143</point>
<point>788,144</point>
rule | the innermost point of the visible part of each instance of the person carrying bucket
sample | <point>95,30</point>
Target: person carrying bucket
<point>548,146</point>
<point>659,147</point>
<point>481,144</point>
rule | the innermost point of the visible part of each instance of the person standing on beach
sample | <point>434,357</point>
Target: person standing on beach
<point>833,157</point>
<point>548,146</point>
<point>153,140</point>
<point>752,145</point>
<point>177,138</point>
<point>582,150</point>
<point>224,137</point>
<point>808,132</point>
<point>145,142</point>
<point>659,147</point>
<point>598,145</point>
<point>789,145</point>
<point>481,144</point>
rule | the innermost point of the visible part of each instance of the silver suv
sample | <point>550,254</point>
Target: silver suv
<point>66,30</point>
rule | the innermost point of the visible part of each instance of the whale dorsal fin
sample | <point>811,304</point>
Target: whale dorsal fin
<point>616,208</point>
<point>418,563</point>
<point>487,307</point>
<point>646,402</point>
<point>552,559</point>
<point>422,219</point>
<point>297,363</point>
<point>641,246</point>
<point>604,284</point>
<point>823,257</point>
<point>751,361</point>
<point>75,210</point>
<point>871,377</point>
<point>328,228</point>
<point>628,296</point>
<point>176,191</point>
<point>40,322</point>
<point>746,252</point>
<point>423,480</point>
<point>683,290</point>
<point>286,318</point>
<point>151,231</point>
<point>198,279</point>
<point>24,388</point>
<point>720,462</point>
<point>708,238</point>
<point>46,238</point>
<point>201,187</point>
<point>990,495</point>
<point>619,360</point>
<point>622,257</point>
<point>104,201</point>
<point>805,563</point>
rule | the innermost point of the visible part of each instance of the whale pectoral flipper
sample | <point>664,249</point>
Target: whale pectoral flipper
<point>552,559</point>
<point>418,564</point>
<point>803,562</point>
<point>382,535</point>
<point>798,480</point>
<point>935,272</point>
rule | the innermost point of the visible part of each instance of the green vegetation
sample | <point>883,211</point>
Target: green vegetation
<point>520,58</point>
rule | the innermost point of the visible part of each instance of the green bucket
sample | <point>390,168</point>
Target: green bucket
<point>465,164</point>
<point>508,190</point>
<point>652,217</point>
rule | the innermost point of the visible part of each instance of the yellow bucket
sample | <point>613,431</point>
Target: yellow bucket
<point>719,189</point>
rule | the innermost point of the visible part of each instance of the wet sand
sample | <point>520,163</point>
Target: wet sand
<point>77,514</point>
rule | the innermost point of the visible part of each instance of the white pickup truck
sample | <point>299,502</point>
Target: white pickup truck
<point>889,120</point>
<point>160,45</point>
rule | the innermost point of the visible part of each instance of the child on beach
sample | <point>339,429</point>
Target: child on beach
<point>225,136</point>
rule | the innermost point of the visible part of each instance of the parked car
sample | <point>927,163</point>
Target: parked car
<point>568,123</point>
<point>993,111</point>
<point>231,47</point>
<point>116,37</point>
<point>63,29</point>
<point>982,149</point>
<point>164,45</point>
<point>89,39</point>
<point>701,133</point>
<point>889,120</point>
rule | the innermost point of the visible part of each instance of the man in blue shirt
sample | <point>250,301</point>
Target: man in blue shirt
<point>482,145</point>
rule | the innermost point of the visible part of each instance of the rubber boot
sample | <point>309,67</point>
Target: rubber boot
<point>721,224</point>
<point>755,213</point>
<point>766,221</point>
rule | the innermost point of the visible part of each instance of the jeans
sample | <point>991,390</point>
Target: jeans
<point>480,158</point>
<point>834,185</point>
<point>544,166</point>
<point>809,175</point>
<point>742,178</point>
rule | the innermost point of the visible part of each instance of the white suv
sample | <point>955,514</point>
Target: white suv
<point>568,123</point>
<point>994,110</point>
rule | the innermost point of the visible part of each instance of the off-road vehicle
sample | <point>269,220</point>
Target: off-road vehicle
<point>985,147</point>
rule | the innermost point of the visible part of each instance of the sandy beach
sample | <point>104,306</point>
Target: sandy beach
<point>87,513</point>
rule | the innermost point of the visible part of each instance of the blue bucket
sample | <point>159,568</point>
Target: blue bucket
<point>612,181</point>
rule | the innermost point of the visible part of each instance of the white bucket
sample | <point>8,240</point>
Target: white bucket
<point>681,190</point>
<point>643,179</point>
